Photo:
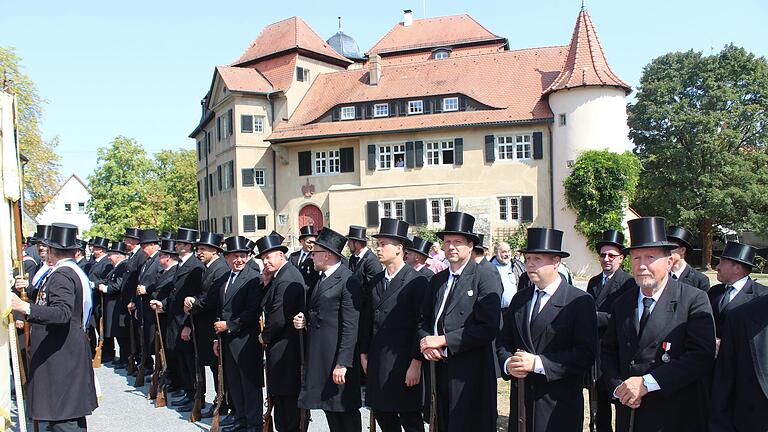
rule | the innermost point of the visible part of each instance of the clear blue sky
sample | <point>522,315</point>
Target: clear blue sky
<point>139,68</point>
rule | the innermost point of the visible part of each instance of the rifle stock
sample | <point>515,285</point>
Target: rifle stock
<point>432,397</point>
<point>152,393</point>
<point>161,400</point>
<point>143,363</point>
<point>220,390</point>
<point>268,425</point>
<point>522,420</point>
<point>97,356</point>
<point>196,415</point>
<point>131,367</point>
<point>593,398</point>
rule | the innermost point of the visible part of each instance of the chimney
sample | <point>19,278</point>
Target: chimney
<point>374,67</point>
<point>407,17</point>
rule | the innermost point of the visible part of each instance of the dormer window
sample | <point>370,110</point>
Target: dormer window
<point>302,74</point>
<point>441,53</point>
<point>348,113</point>
<point>415,107</point>
<point>451,104</point>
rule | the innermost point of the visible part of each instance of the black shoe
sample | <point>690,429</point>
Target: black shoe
<point>236,427</point>
<point>209,412</point>
<point>228,420</point>
<point>186,408</point>
<point>177,394</point>
<point>119,365</point>
<point>183,401</point>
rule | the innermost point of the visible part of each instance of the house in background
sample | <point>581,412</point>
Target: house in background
<point>68,205</point>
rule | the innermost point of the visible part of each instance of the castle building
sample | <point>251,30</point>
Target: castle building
<point>438,115</point>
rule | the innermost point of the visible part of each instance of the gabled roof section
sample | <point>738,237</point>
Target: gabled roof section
<point>244,79</point>
<point>432,33</point>
<point>510,83</point>
<point>586,64</point>
<point>290,34</point>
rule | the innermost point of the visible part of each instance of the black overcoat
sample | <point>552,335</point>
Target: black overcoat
<point>472,321</point>
<point>307,268</point>
<point>389,336</point>
<point>332,321</point>
<point>133,266</point>
<point>98,273</point>
<point>682,317</point>
<point>564,336</point>
<point>114,283</point>
<point>750,291</point>
<point>188,278</point>
<point>240,307</point>
<point>694,278</point>
<point>284,298</point>
<point>204,309</point>
<point>426,272</point>
<point>61,382</point>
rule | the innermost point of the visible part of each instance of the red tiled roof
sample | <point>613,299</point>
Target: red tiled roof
<point>278,70</point>
<point>244,79</point>
<point>511,82</point>
<point>586,64</point>
<point>433,32</point>
<point>284,35</point>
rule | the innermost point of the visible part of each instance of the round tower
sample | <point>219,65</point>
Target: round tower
<point>588,102</point>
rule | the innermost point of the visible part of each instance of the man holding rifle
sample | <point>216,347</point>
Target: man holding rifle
<point>548,341</point>
<point>283,299</point>
<point>126,307</point>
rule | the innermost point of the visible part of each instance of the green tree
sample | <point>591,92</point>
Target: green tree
<point>120,189</point>
<point>174,195</point>
<point>699,126</point>
<point>41,174</point>
<point>599,188</point>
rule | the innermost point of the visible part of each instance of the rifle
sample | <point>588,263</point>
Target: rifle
<point>220,393</point>
<point>522,420</point>
<point>131,367</point>
<point>143,363</point>
<point>302,411</point>
<point>268,425</point>
<point>97,356</point>
<point>432,397</point>
<point>195,415</point>
<point>593,398</point>
<point>152,393</point>
<point>161,393</point>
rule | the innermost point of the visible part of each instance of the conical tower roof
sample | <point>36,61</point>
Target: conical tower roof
<point>586,64</point>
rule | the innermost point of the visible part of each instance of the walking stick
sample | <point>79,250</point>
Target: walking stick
<point>632,420</point>
<point>433,397</point>
<point>522,416</point>
<point>593,399</point>
<point>268,424</point>
<point>195,415</point>
<point>131,367</point>
<point>220,395</point>
<point>97,356</point>
<point>302,411</point>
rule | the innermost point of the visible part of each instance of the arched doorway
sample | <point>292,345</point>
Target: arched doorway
<point>311,215</point>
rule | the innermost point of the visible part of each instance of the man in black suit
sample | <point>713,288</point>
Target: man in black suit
<point>389,352</point>
<point>736,287</point>
<point>331,317</point>
<point>237,329</point>
<point>605,288</point>
<point>283,299</point>
<point>201,307</point>
<point>460,319</point>
<point>145,289</point>
<point>99,270</point>
<point>660,342</point>
<point>740,387</point>
<point>80,258</point>
<point>302,259</point>
<point>127,307</point>
<point>417,253</point>
<point>110,291</point>
<point>681,270</point>
<point>362,262</point>
<point>168,264</point>
<point>549,340</point>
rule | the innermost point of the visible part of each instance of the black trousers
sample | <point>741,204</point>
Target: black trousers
<point>347,421</point>
<point>244,388</point>
<point>124,344</point>
<point>286,413</point>
<point>604,418</point>
<point>108,349</point>
<point>394,421</point>
<point>71,425</point>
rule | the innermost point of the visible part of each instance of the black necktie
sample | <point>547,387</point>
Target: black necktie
<point>386,284</point>
<point>647,302</point>
<point>441,317</point>
<point>726,297</point>
<point>674,276</point>
<point>536,305</point>
<point>353,262</point>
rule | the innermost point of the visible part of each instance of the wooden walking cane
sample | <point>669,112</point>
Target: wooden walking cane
<point>195,414</point>
<point>97,357</point>
<point>522,416</point>
<point>432,397</point>
<point>632,420</point>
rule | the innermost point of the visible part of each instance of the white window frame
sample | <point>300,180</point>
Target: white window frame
<point>226,172</point>
<point>448,104</point>
<point>256,222</point>
<point>258,124</point>
<point>65,207</point>
<point>387,153</point>
<point>304,74</point>
<point>440,216</point>
<point>441,54</point>
<point>415,107</point>
<point>259,172</point>
<point>514,147</point>
<point>504,206</point>
<point>79,210</point>
<point>384,112</point>
<point>326,161</point>
<point>438,147</point>
<point>344,113</point>
<point>505,147</point>
<point>392,208</point>
<point>524,147</point>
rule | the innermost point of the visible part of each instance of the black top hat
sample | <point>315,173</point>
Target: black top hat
<point>186,235</point>
<point>270,243</point>
<point>42,233</point>
<point>611,238</point>
<point>394,229</point>
<point>131,233</point>
<point>647,232</point>
<point>461,224</point>
<point>101,242</point>
<point>210,239</point>
<point>62,236</point>
<point>307,231</point>
<point>480,246</point>
<point>250,244</point>
<point>236,244</point>
<point>168,246</point>
<point>332,241</point>
<point>148,236</point>
<point>356,232</point>
<point>81,245</point>
<point>90,242</point>
<point>119,247</point>
<point>545,241</point>
<point>419,245</point>
<point>167,235</point>
<point>739,252</point>
<point>678,234</point>
<point>278,235</point>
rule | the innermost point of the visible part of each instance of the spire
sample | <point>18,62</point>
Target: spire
<point>586,64</point>
<point>340,30</point>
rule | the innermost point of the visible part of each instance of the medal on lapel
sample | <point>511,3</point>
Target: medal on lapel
<point>470,293</point>
<point>666,346</point>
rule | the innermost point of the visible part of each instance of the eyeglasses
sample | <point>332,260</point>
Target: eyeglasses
<point>609,256</point>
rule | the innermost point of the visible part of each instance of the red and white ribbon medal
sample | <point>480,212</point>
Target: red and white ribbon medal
<point>666,346</point>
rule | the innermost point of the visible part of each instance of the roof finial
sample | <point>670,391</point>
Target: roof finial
<point>583,4</point>
<point>339,24</point>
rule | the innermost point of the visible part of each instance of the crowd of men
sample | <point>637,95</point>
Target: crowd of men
<point>425,332</point>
